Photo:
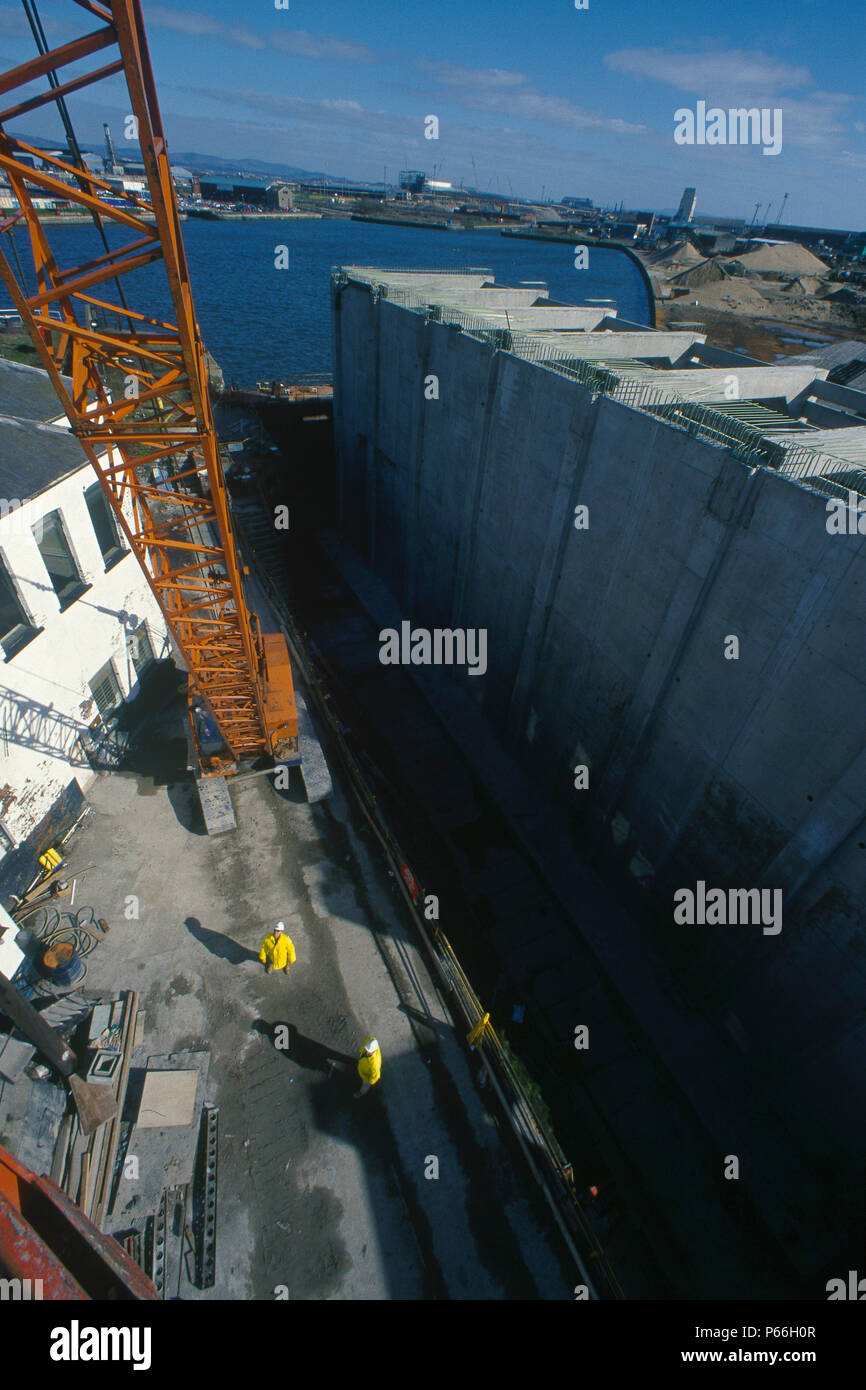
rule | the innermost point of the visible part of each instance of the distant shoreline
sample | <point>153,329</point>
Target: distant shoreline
<point>573,238</point>
<point>76,219</point>
<point>209,216</point>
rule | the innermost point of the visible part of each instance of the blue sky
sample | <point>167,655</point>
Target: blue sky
<point>539,95</point>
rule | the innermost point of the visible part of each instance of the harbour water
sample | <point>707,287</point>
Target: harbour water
<point>261,322</point>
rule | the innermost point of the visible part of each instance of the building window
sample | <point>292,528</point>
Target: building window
<point>58,559</point>
<point>141,651</point>
<point>106,691</point>
<point>104,525</point>
<point>16,629</point>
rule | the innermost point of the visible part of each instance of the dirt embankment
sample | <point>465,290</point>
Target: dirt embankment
<point>774,300</point>
<point>755,335</point>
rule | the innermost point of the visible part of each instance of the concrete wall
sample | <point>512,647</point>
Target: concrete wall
<point>606,646</point>
<point>495,298</point>
<point>670,346</point>
<point>46,700</point>
<point>783,383</point>
<point>533,319</point>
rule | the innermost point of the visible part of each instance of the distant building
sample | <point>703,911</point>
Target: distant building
<point>413,180</point>
<point>688,203</point>
<point>712,242</point>
<point>323,188</point>
<point>122,184</point>
<point>820,239</point>
<point>645,222</point>
<point>79,625</point>
<point>281,197</point>
<point>255,192</point>
<point>721,224</point>
<point>184,179</point>
<point>231,191</point>
<point>585,203</point>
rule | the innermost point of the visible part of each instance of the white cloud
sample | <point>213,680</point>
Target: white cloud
<point>298,42</point>
<point>812,120</point>
<point>328,46</point>
<point>711,74</point>
<point>510,93</point>
<point>183,22</point>
<point>816,122</point>
<point>533,105</point>
<point>453,75</point>
<point>14,25</point>
<point>319,111</point>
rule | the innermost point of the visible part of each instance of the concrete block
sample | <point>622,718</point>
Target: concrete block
<point>216,805</point>
<point>168,1098</point>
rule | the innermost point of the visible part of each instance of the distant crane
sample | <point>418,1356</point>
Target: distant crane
<point>781,210</point>
<point>475,173</point>
<point>758,207</point>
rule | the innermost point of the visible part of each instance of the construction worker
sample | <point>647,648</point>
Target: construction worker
<point>278,950</point>
<point>369,1065</point>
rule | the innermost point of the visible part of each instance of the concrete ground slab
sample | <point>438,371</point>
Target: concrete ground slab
<point>409,1192</point>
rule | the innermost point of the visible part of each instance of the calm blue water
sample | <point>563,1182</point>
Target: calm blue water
<point>261,323</point>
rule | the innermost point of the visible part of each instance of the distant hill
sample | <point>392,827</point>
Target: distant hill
<point>196,163</point>
<point>214,163</point>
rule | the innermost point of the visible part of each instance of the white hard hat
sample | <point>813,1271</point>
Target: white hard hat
<point>371,1046</point>
<point>281,926</point>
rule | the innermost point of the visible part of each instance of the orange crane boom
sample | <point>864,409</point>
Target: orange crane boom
<point>53,1249</point>
<point>139,396</point>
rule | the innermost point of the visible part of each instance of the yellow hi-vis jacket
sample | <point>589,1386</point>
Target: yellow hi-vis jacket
<point>278,951</point>
<point>370,1067</point>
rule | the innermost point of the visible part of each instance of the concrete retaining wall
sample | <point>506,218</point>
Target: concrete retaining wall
<point>607,647</point>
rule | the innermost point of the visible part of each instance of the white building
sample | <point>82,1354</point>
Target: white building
<point>78,622</point>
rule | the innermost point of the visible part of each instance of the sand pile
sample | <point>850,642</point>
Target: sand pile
<point>843,294</point>
<point>804,285</point>
<point>681,253</point>
<point>735,296</point>
<point>789,258</point>
<point>704,273</point>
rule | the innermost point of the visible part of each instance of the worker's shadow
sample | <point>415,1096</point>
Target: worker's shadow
<point>221,946</point>
<point>303,1051</point>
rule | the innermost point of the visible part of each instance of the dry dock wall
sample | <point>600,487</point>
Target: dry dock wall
<point>606,647</point>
